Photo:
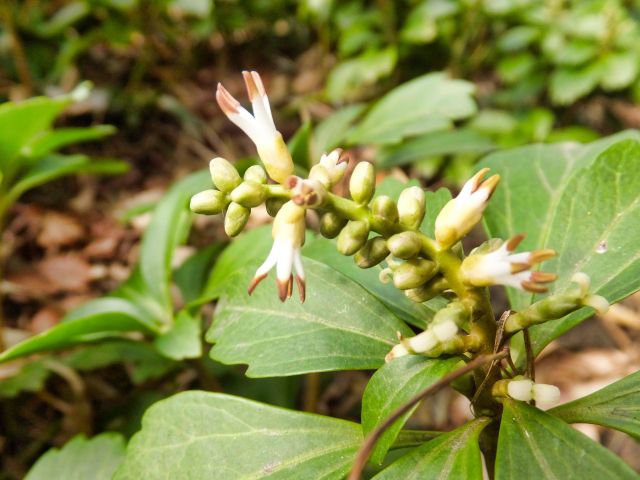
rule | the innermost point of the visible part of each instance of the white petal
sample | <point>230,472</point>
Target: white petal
<point>423,342</point>
<point>285,261</point>
<point>520,390</point>
<point>444,331</point>
<point>297,263</point>
<point>546,393</point>
<point>270,262</point>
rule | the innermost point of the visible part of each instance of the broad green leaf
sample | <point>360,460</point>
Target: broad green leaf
<point>251,246</point>
<point>21,122</point>
<point>29,377</point>
<point>533,444</point>
<point>616,406</point>
<point>333,130</point>
<point>621,70</point>
<point>55,166</point>
<point>102,318</point>
<point>435,144</point>
<point>392,386</point>
<point>451,455</point>
<point>54,139</point>
<point>183,339</point>
<point>199,435</point>
<point>192,275</point>
<point>578,200</point>
<point>142,360</point>
<point>569,84</point>
<point>168,228</point>
<point>339,327</point>
<point>96,458</point>
<point>426,104</point>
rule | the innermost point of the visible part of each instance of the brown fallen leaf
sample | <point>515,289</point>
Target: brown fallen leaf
<point>59,230</point>
<point>67,272</point>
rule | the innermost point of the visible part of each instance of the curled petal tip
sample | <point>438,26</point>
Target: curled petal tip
<point>254,283</point>
<point>283,289</point>
<point>302,288</point>
<point>257,81</point>
<point>252,89</point>
<point>490,184</point>
<point>228,104</point>
<point>476,180</point>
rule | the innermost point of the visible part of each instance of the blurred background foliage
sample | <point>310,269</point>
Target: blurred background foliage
<point>422,88</point>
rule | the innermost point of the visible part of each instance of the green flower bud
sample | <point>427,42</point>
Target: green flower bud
<point>411,207</point>
<point>235,219</point>
<point>373,252</point>
<point>363,182</point>
<point>352,237</point>
<point>321,174</point>
<point>224,175</point>
<point>385,211</point>
<point>274,204</point>
<point>331,224</point>
<point>414,273</point>
<point>405,245</point>
<point>427,291</point>
<point>208,202</point>
<point>454,312</point>
<point>249,194</point>
<point>255,173</point>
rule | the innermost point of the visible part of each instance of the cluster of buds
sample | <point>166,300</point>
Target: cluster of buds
<point>525,390</point>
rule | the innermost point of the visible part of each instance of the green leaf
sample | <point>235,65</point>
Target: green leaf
<point>435,144</point>
<point>616,406</point>
<point>349,78</point>
<point>392,386</point>
<point>183,340</point>
<point>621,69</point>
<point>55,166</point>
<point>22,122</point>
<point>142,360</point>
<point>54,139</point>
<point>200,435</point>
<point>451,455</point>
<point>533,444</point>
<point>105,317</point>
<point>81,458</point>
<point>192,275</point>
<point>428,103</point>
<point>30,377</point>
<point>570,84</point>
<point>168,228</point>
<point>339,327</point>
<point>572,198</point>
<point>333,130</point>
<point>300,147</point>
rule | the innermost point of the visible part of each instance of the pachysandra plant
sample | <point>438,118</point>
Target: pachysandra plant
<point>376,230</point>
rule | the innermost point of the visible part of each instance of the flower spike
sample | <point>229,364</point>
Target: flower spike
<point>259,127</point>
<point>462,213</point>
<point>500,266</point>
<point>288,237</point>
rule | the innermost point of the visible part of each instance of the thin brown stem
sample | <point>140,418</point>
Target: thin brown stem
<point>531,369</point>
<point>365,450</point>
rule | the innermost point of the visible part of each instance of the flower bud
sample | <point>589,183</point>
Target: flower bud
<point>398,350</point>
<point>462,213</point>
<point>423,342</point>
<point>320,174</point>
<point>249,194</point>
<point>255,173</point>
<point>274,205</point>
<point>362,183</point>
<point>331,224</point>
<point>544,393</point>
<point>385,212</point>
<point>224,175</point>
<point>427,291</point>
<point>411,207</point>
<point>413,273</point>
<point>373,252</point>
<point>405,245</point>
<point>208,202</point>
<point>235,219</point>
<point>352,237</point>
<point>454,312</point>
<point>334,164</point>
<point>520,390</point>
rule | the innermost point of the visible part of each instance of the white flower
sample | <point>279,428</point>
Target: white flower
<point>461,214</point>
<point>259,127</point>
<point>501,267</point>
<point>335,163</point>
<point>544,393</point>
<point>520,389</point>
<point>525,390</point>
<point>288,237</point>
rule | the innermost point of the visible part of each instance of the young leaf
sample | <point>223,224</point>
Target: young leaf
<point>61,137</point>
<point>580,201</point>
<point>391,386</point>
<point>101,318</point>
<point>533,444</point>
<point>451,455</point>
<point>331,132</point>
<point>81,458</point>
<point>209,435</point>
<point>183,340</point>
<point>339,327</point>
<point>616,406</point>
<point>426,104</point>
